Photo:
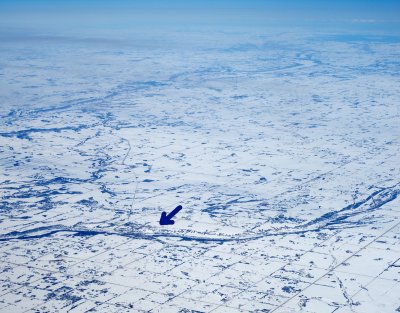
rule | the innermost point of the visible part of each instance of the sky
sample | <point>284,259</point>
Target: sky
<point>102,13</point>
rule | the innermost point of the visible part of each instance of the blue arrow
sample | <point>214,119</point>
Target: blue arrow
<point>166,219</point>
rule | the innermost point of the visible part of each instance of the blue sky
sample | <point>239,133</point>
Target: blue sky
<point>320,4</point>
<point>28,13</point>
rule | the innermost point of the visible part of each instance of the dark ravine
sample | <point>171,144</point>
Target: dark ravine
<point>329,221</point>
<point>24,134</point>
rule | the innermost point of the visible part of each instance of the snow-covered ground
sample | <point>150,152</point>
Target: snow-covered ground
<point>281,146</point>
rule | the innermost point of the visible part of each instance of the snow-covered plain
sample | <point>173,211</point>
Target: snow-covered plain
<point>281,146</point>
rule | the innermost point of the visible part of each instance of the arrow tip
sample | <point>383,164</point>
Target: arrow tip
<point>164,220</point>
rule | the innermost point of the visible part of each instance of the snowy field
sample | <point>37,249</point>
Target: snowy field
<point>282,146</point>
